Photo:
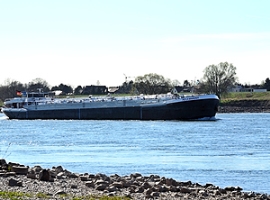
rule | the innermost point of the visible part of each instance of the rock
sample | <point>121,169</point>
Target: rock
<point>92,176</point>
<point>235,193</point>
<point>61,175</point>
<point>58,169</point>
<point>99,182</point>
<point>3,162</point>
<point>102,177</point>
<point>188,183</point>
<point>44,175</point>
<point>31,175</point>
<point>134,186</point>
<point>135,175</point>
<point>140,179</point>
<point>263,196</point>
<point>112,188</point>
<point>139,190</point>
<point>222,191</point>
<point>170,182</point>
<point>21,170</point>
<point>101,186</point>
<point>208,185</point>
<point>2,173</point>
<point>85,178</point>
<point>164,188</point>
<point>203,193</point>
<point>231,188</point>
<point>36,169</point>
<point>155,194</point>
<point>174,189</point>
<point>73,175</point>
<point>185,190</point>
<point>13,182</point>
<point>251,194</point>
<point>90,184</point>
<point>146,185</point>
<point>10,174</point>
<point>60,192</point>
<point>131,190</point>
<point>148,191</point>
<point>117,184</point>
<point>217,193</point>
<point>126,184</point>
<point>238,188</point>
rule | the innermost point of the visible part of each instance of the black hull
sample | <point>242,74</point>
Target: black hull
<point>187,110</point>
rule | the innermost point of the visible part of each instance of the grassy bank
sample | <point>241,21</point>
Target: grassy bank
<point>12,195</point>
<point>237,96</point>
<point>239,102</point>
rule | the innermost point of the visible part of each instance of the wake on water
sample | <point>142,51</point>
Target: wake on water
<point>207,119</point>
<point>3,117</point>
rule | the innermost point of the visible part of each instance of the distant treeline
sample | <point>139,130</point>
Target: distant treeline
<point>147,84</point>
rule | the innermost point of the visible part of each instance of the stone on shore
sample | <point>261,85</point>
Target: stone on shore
<point>56,182</point>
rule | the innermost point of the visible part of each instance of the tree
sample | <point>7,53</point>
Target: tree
<point>126,87</point>
<point>78,90</point>
<point>66,89</point>
<point>186,83</point>
<point>37,84</point>
<point>9,89</point>
<point>175,83</point>
<point>267,84</point>
<point>218,78</point>
<point>152,84</point>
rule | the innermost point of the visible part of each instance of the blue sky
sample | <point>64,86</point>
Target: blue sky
<point>89,41</point>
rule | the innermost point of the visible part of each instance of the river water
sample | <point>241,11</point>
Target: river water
<point>233,150</point>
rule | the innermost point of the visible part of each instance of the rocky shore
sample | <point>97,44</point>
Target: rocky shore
<point>59,183</point>
<point>245,106</point>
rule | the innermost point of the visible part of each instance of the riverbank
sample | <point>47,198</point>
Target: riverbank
<point>58,183</point>
<point>245,106</point>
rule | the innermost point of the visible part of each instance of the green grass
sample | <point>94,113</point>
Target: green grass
<point>11,195</point>
<point>248,95</point>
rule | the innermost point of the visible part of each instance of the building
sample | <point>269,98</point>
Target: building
<point>94,89</point>
<point>239,88</point>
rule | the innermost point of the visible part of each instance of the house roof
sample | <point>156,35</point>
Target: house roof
<point>113,89</point>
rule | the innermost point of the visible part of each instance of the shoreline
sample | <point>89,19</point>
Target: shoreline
<point>57,182</point>
<point>245,106</point>
<point>241,109</point>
